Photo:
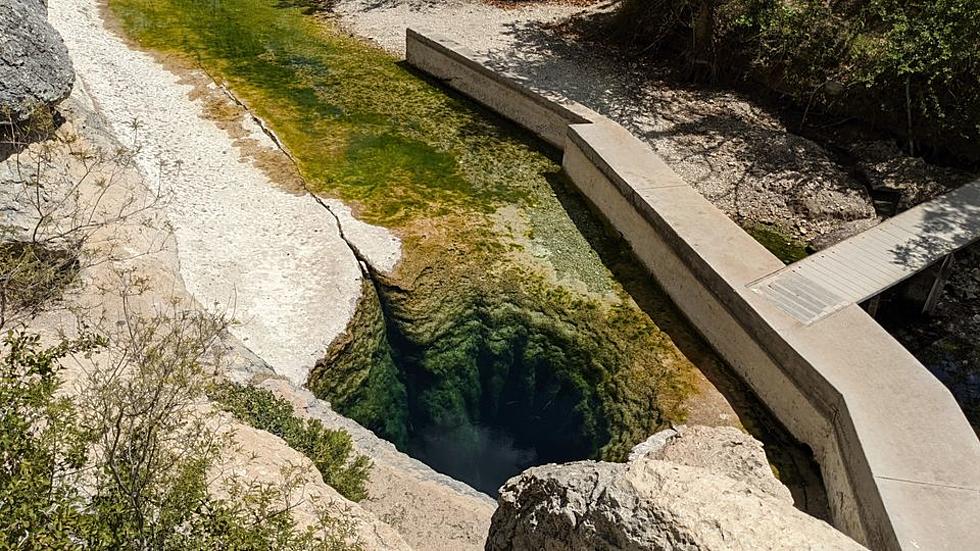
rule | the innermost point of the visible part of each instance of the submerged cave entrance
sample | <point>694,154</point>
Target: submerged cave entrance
<point>498,392</point>
<point>492,381</point>
<point>483,373</point>
<point>481,384</point>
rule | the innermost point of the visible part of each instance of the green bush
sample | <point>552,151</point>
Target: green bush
<point>41,447</point>
<point>332,451</point>
<point>68,481</point>
<point>910,66</point>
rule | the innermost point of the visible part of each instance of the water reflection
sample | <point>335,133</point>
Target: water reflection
<point>483,457</point>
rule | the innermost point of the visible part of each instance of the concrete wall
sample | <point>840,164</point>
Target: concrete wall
<point>900,462</point>
<point>465,71</point>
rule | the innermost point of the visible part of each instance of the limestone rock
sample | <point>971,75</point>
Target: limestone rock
<point>705,500</point>
<point>262,458</point>
<point>722,450</point>
<point>653,444</point>
<point>34,65</point>
<point>410,506</point>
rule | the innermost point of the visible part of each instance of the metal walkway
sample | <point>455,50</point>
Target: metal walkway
<point>871,262</point>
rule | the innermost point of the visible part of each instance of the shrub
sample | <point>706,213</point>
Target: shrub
<point>132,472</point>
<point>330,450</point>
<point>41,448</point>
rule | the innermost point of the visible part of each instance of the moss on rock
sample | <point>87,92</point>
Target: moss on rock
<point>786,248</point>
<point>359,375</point>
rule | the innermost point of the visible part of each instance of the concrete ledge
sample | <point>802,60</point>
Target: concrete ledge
<point>836,384</point>
<point>900,462</point>
<point>465,71</point>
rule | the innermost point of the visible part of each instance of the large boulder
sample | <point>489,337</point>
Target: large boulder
<point>722,450</point>
<point>35,69</point>
<point>700,489</point>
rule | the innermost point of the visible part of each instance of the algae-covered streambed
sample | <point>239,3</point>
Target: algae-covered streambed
<point>516,329</point>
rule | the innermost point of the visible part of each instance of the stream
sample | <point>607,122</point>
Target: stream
<point>517,328</point>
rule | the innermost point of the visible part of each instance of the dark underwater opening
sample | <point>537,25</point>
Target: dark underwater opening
<point>498,393</point>
<point>483,457</point>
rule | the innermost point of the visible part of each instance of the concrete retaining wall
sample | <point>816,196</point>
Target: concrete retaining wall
<point>465,71</point>
<point>900,462</point>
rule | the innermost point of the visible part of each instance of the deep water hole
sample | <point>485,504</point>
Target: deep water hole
<point>482,384</point>
<point>499,394</point>
<point>484,457</point>
<point>479,397</point>
<point>503,340</point>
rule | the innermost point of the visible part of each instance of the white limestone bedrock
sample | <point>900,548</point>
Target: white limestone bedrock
<point>274,259</point>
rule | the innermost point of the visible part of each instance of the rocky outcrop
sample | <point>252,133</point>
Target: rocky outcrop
<point>35,69</point>
<point>722,450</point>
<point>429,510</point>
<point>700,488</point>
<point>262,458</point>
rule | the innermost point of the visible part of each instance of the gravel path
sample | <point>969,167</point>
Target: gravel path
<point>272,258</point>
<point>481,26</point>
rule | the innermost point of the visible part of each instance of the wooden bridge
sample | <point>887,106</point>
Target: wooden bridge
<point>917,243</point>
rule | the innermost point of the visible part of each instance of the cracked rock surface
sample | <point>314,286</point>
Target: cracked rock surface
<point>703,488</point>
<point>241,232</point>
<point>267,253</point>
<point>34,66</point>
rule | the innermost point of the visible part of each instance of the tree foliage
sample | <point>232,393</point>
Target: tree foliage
<point>911,66</point>
<point>42,447</point>
<point>126,466</point>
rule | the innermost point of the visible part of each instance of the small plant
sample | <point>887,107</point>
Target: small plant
<point>32,275</point>
<point>67,200</point>
<point>332,451</point>
<point>126,465</point>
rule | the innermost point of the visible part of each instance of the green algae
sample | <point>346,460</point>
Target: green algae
<point>513,306</point>
<point>409,156</point>
<point>359,371</point>
<point>361,126</point>
<point>785,247</point>
<point>565,374</point>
